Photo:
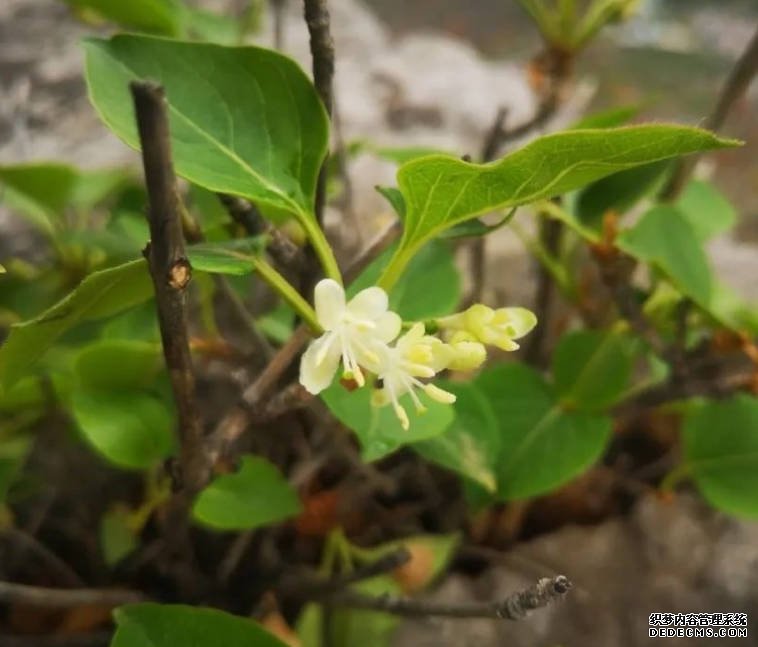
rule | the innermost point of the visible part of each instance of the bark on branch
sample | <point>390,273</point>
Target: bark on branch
<point>171,272</point>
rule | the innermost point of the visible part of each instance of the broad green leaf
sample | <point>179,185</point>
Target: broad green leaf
<point>211,27</point>
<point>591,369</point>
<point>706,209</point>
<point>721,453</point>
<point>542,445</point>
<point>618,192</point>
<point>26,394</point>
<point>350,627</point>
<point>42,191</point>
<point>173,625</point>
<point>611,118</point>
<point>131,429</point>
<point>114,364</point>
<point>733,311</point>
<point>431,287</point>
<point>100,295</point>
<point>378,428</point>
<point>244,120</point>
<point>442,191</point>
<point>117,537</point>
<point>256,495</point>
<point>395,198</point>
<point>229,257</point>
<point>39,192</point>
<point>471,444</point>
<point>156,16</point>
<point>666,239</point>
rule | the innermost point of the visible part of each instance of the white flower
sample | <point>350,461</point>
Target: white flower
<point>492,327</point>
<point>415,355</point>
<point>354,332</point>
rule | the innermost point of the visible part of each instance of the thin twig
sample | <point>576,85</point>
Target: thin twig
<point>284,252</point>
<point>54,563</point>
<point>514,607</point>
<point>322,53</point>
<point>735,87</point>
<point>551,237</point>
<point>277,9</point>
<point>37,596</point>
<point>194,234</point>
<point>171,272</point>
<point>478,249</point>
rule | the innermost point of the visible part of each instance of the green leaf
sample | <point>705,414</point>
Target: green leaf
<point>542,445</point>
<point>100,295</point>
<point>721,453</point>
<point>114,364</point>
<point>378,428</point>
<point>611,118</point>
<point>666,239</point>
<point>618,192</point>
<point>42,191</point>
<point>156,16</point>
<point>254,496</point>
<point>350,627</point>
<point>706,209</point>
<point>471,444</point>
<point>131,429</point>
<point>591,369</point>
<point>430,288</point>
<point>228,257</point>
<point>442,191</point>
<point>117,537</point>
<point>244,120</point>
<point>395,198</point>
<point>174,625</point>
<point>401,155</point>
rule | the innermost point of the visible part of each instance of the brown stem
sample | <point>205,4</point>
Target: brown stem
<point>277,9</point>
<point>735,87</point>
<point>283,251</point>
<point>37,596</point>
<point>171,272</point>
<point>316,15</point>
<point>514,607</point>
<point>551,235</point>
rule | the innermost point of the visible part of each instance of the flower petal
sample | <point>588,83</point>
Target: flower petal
<point>388,327</point>
<point>519,321</point>
<point>370,304</point>
<point>319,364</point>
<point>329,300</point>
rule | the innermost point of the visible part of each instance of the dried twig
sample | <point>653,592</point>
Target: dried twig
<point>277,9</point>
<point>171,272</point>
<point>284,252</point>
<point>37,596</point>
<point>322,52</point>
<point>514,607</point>
<point>735,87</point>
<point>551,236</point>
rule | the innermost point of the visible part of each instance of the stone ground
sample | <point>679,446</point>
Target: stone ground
<point>433,90</point>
